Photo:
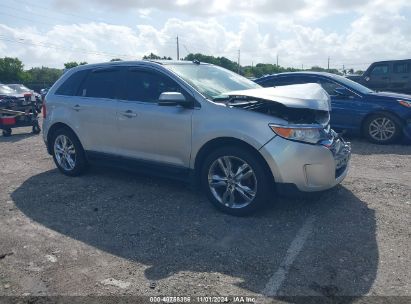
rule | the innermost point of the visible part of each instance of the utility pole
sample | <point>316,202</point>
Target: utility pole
<point>328,65</point>
<point>302,67</point>
<point>178,49</point>
<point>277,60</point>
<point>238,62</point>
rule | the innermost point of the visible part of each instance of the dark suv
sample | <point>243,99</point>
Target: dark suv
<point>393,76</point>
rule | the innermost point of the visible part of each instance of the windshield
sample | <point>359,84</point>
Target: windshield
<point>19,88</point>
<point>6,90</point>
<point>210,80</point>
<point>353,85</point>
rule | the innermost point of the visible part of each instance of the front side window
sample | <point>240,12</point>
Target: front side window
<point>329,86</point>
<point>147,86</point>
<point>380,69</point>
<point>102,83</point>
<point>71,85</point>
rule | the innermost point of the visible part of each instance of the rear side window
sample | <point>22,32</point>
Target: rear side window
<point>147,86</point>
<point>71,85</point>
<point>282,81</point>
<point>401,67</point>
<point>380,69</point>
<point>102,83</point>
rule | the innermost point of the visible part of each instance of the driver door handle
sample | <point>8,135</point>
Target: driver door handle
<point>76,107</point>
<point>128,114</point>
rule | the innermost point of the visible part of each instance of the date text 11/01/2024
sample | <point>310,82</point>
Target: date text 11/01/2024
<point>203,299</point>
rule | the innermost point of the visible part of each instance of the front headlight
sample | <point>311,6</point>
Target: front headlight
<point>307,134</point>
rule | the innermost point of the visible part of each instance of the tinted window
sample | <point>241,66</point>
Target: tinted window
<point>147,86</point>
<point>402,67</point>
<point>380,69</point>
<point>102,83</point>
<point>71,85</point>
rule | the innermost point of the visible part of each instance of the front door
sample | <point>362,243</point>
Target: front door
<point>147,131</point>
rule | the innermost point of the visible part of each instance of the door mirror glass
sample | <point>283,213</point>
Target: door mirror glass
<point>173,99</point>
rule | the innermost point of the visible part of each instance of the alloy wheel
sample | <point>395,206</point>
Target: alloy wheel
<point>65,152</point>
<point>232,182</point>
<point>381,129</point>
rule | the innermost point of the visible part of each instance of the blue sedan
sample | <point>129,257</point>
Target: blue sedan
<point>382,117</point>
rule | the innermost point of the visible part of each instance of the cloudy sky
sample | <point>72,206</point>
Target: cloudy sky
<point>300,32</point>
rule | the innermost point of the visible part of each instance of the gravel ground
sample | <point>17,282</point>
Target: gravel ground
<point>112,232</point>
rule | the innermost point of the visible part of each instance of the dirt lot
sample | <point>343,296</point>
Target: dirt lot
<point>112,232</point>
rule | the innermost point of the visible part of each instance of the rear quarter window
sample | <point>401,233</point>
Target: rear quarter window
<point>401,67</point>
<point>72,84</point>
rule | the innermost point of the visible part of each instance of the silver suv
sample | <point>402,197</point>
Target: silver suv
<point>196,122</point>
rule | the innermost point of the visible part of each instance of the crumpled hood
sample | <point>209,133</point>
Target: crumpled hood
<point>303,96</point>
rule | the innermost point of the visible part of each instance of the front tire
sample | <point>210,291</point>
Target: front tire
<point>68,153</point>
<point>382,129</point>
<point>235,180</point>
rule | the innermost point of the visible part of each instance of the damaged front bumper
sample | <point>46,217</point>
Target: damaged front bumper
<point>307,167</point>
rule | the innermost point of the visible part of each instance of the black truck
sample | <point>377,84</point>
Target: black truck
<point>392,76</point>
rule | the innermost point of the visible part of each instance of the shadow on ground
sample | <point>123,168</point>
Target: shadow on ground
<point>16,137</point>
<point>170,228</point>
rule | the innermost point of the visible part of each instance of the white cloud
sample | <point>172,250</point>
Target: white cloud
<point>380,32</point>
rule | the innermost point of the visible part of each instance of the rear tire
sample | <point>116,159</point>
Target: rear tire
<point>68,153</point>
<point>235,181</point>
<point>382,128</point>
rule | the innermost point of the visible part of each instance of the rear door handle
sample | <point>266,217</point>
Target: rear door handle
<point>129,114</point>
<point>77,107</point>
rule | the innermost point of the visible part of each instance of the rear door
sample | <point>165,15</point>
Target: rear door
<point>95,109</point>
<point>379,77</point>
<point>400,77</point>
<point>147,131</point>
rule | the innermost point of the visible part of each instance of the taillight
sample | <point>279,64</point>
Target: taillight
<point>44,108</point>
<point>27,96</point>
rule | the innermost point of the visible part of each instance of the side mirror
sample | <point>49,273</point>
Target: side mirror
<point>174,99</point>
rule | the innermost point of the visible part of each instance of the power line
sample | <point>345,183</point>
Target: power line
<point>58,47</point>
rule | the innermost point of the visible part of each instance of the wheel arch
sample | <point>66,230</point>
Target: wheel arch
<point>56,126</point>
<point>385,112</point>
<point>216,143</point>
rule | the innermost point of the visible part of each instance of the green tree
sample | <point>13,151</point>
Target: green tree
<point>43,74</point>
<point>11,70</point>
<point>73,64</point>
<point>153,56</point>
